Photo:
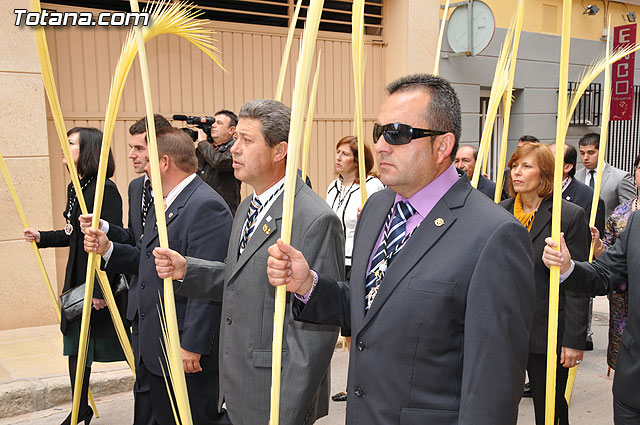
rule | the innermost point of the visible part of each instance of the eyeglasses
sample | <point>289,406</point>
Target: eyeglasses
<point>401,134</point>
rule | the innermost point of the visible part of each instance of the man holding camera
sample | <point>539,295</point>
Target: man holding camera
<point>215,165</point>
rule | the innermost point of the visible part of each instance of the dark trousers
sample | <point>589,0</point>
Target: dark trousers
<point>203,397</point>
<point>142,409</point>
<point>625,415</point>
<point>537,370</point>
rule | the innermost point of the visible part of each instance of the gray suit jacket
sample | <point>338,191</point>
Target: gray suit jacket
<point>616,265</point>
<point>446,339</point>
<point>617,187</point>
<point>247,314</point>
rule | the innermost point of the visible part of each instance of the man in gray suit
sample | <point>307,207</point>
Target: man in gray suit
<point>441,296</point>
<point>617,265</point>
<point>617,185</point>
<point>259,160</point>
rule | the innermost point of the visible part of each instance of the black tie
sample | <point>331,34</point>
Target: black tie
<point>146,194</point>
<point>593,177</point>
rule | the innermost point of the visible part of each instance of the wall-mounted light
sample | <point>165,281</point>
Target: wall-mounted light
<point>629,17</point>
<point>592,9</point>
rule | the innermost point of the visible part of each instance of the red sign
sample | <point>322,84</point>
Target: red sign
<point>622,74</point>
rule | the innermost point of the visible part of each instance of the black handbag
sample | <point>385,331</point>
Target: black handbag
<point>72,300</point>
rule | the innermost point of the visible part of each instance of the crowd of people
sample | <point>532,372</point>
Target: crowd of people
<point>445,317</point>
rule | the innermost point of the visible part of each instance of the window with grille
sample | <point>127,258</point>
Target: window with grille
<point>588,110</point>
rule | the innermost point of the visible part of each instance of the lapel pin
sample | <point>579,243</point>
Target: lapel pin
<point>268,219</point>
<point>170,214</point>
<point>266,229</point>
<point>439,222</point>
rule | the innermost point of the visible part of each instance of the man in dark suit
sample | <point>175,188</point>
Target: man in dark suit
<point>198,224</point>
<point>440,327</point>
<point>466,158</point>
<point>140,199</point>
<point>615,266</point>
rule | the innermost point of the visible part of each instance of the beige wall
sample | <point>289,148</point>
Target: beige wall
<point>183,81</point>
<point>24,300</point>
<point>411,29</point>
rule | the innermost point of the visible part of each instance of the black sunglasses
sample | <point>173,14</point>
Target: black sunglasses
<point>401,134</point>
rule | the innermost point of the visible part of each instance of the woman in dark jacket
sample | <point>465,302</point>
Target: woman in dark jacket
<point>103,341</point>
<point>530,185</point>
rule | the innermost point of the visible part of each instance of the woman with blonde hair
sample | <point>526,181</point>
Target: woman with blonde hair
<point>530,186</point>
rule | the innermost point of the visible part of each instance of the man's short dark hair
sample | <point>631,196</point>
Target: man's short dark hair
<point>275,118</point>
<point>443,112</point>
<point>140,126</point>
<point>571,157</point>
<point>529,139</point>
<point>590,139</point>
<point>89,152</point>
<point>233,118</point>
<point>178,146</point>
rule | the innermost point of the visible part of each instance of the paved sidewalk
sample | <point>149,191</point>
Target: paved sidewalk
<point>34,373</point>
<point>33,379</point>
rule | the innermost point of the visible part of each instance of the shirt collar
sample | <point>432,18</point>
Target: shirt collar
<point>566,182</point>
<point>426,198</point>
<point>178,188</point>
<point>264,196</point>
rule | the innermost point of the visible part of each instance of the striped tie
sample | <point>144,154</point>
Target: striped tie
<point>252,215</point>
<point>394,239</point>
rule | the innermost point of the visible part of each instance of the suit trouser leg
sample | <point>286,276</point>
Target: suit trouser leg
<point>203,396</point>
<point>537,370</point>
<point>142,409</point>
<point>624,414</point>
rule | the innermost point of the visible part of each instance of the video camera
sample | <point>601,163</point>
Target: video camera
<point>204,123</point>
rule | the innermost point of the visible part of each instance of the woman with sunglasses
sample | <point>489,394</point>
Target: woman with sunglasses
<point>85,144</point>
<point>343,196</point>
<point>530,186</point>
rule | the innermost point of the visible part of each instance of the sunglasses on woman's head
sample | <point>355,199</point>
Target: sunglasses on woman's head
<point>401,134</point>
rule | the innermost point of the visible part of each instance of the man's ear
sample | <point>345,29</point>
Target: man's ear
<point>567,167</point>
<point>280,150</point>
<point>443,146</point>
<point>165,162</point>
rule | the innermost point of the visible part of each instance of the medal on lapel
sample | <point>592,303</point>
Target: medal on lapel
<point>266,229</point>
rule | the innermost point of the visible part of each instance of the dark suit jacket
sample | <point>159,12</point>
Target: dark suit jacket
<point>573,309</point>
<point>446,339</point>
<point>76,271</point>
<point>616,265</point>
<point>486,186</point>
<point>131,235</point>
<point>581,194</point>
<point>198,224</point>
<point>215,167</point>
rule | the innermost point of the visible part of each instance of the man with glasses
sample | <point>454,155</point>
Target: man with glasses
<point>440,300</point>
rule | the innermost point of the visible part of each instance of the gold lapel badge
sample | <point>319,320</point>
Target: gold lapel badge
<point>170,214</point>
<point>439,222</point>
<point>266,229</point>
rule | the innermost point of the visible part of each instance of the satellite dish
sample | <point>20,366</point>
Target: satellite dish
<point>471,36</point>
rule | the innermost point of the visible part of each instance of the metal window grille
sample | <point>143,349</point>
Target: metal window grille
<point>624,143</point>
<point>336,14</point>
<point>588,110</point>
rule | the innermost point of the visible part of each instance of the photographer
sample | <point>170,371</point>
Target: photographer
<point>215,165</point>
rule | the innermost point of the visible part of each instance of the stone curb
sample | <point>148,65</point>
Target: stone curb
<point>22,396</point>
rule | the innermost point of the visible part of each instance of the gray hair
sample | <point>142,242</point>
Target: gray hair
<point>275,118</point>
<point>443,112</point>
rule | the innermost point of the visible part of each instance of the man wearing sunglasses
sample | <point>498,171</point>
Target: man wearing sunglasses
<point>440,300</point>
